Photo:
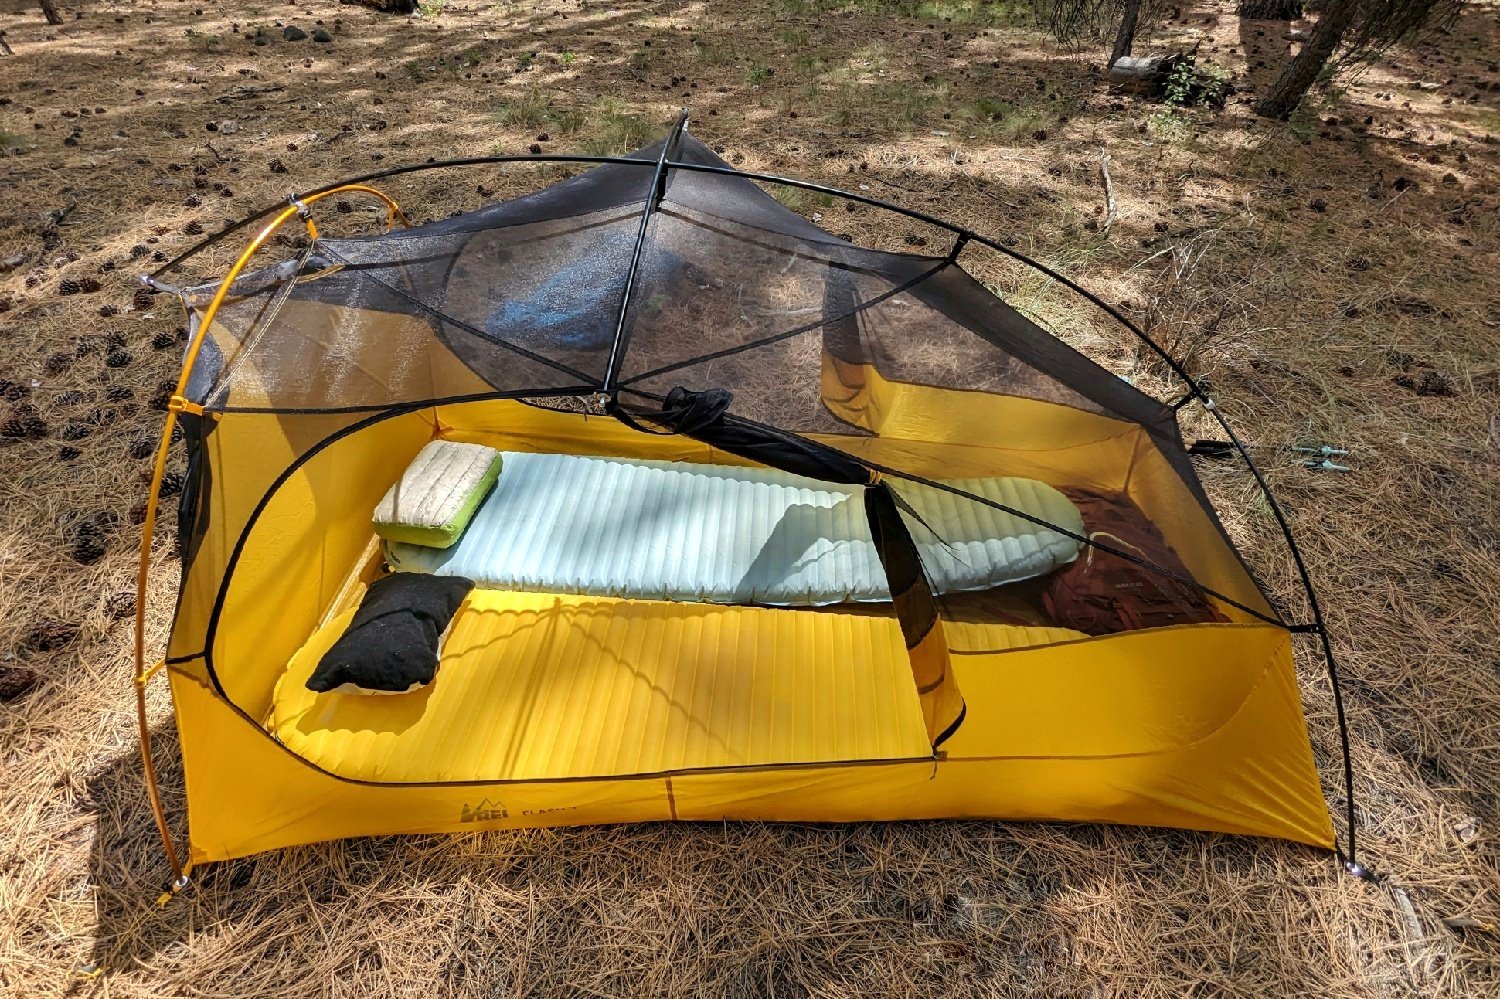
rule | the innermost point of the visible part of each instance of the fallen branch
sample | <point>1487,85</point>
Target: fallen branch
<point>1109,191</point>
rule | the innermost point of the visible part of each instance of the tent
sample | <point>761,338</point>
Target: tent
<point>808,508</point>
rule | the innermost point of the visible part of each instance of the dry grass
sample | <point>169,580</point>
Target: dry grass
<point>1331,260</point>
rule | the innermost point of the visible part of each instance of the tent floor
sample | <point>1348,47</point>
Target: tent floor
<point>541,686</point>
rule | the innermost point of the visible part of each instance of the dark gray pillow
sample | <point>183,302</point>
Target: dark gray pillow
<point>391,645</point>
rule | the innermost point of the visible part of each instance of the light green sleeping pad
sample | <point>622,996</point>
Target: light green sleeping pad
<point>434,500</point>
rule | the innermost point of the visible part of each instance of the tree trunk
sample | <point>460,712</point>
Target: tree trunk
<point>49,9</point>
<point>1270,10</point>
<point>1125,37</point>
<point>1287,92</point>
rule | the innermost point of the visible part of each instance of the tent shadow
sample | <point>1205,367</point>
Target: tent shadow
<point>127,864</point>
<point>1004,902</point>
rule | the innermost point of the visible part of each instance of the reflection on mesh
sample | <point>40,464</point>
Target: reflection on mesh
<point>809,333</point>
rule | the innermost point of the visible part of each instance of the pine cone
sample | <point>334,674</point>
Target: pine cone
<point>120,605</point>
<point>13,391</point>
<point>57,363</point>
<point>138,251</point>
<point>50,634</point>
<point>193,228</point>
<point>16,680</point>
<point>142,447</point>
<point>118,358</point>
<point>171,484</point>
<point>87,550</point>
<point>141,300</point>
<point>109,311</point>
<point>119,393</point>
<point>79,286</point>
<point>164,340</point>
<point>74,430</point>
<point>24,423</point>
<point>68,452</point>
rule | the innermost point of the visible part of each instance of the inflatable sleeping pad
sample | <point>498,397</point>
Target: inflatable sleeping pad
<point>719,534</point>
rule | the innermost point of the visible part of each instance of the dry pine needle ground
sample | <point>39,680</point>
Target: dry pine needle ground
<point>1337,278</point>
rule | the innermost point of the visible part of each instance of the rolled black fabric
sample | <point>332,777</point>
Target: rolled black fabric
<point>705,416</point>
<point>391,645</point>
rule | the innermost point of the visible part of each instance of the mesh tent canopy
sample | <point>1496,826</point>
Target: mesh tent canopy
<point>664,306</point>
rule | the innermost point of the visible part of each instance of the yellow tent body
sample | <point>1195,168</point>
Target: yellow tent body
<point>557,708</point>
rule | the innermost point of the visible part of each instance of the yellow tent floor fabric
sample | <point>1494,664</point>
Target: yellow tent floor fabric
<point>539,687</point>
<point>1052,734</point>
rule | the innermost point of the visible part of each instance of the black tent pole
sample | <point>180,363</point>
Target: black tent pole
<point>653,201</point>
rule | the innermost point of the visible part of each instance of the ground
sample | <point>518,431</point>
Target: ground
<point>1336,278</point>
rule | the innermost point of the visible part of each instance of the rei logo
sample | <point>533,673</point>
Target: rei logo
<point>485,811</point>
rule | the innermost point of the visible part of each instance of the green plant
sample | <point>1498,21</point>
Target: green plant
<point>998,118</point>
<point>1197,83</point>
<point>13,140</point>
<point>1303,124</point>
<point>801,201</point>
<point>618,132</point>
<point>710,54</point>
<point>421,70</point>
<point>793,38</point>
<point>1164,124</point>
<point>567,58</point>
<point>430,9</point>
<point>535,111</point>
<point>203,40</point>
<point>757,74</point>
<point>525,60</point>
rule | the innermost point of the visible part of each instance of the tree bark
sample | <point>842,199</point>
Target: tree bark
<point>1125,37</point>
<point>1270,10</point>
<point>49,10</point>
<point>1287,92</point>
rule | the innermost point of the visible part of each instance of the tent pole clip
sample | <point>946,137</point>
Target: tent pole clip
<point>303,212</point>
<point>178,404</point>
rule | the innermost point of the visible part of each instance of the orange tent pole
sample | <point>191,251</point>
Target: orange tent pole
<point>180,404</point>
